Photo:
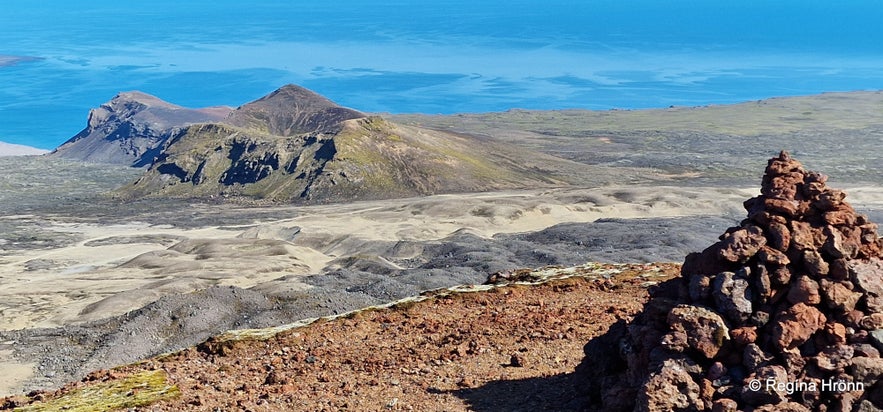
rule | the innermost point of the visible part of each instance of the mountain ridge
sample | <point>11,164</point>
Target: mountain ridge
<point>294,145</point>
<point>131,128</point>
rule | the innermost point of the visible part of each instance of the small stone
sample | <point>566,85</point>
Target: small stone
<point>794,326</point>
<point>804,290</point>
<point>766,394</point>
<point>837,270</point>
<point>834,358</point>
<point>868,277</point>
<point>795,363</point>
<point>716,371</point>
<point>866,350</point>
<point>753,357</point>
<point>705,330</point>
<point>733,296</point>
<point>782,206</point>
<point>742,244</point>
<point>837,245</point>
<point>274,378</point>
<point>868,232</point>
<point>675,341</point>
<point>814,264</point>
<point>830,199</point>
<point>780,236</point>
<point>802,236</point>
<point>700,288</point>
<point>772,256</point>
<point>780,276</point>
<point>877,339</point>
<point>836,333</point>
<point>671,388</point>
<point>724,405</point>
<point>516,361</point>
<point>866,370</point>
<point>759,318</point>
<point>872,322</point>
<point>762,283</point>
<point>744,335</point>
<point>838,296</point>
<point>840,217</point>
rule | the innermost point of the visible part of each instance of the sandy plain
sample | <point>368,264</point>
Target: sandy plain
<point>115,268</point>
<point>111,269</point>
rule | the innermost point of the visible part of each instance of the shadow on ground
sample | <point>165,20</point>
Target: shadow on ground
<point>549,393</point>
<point>581,390</point>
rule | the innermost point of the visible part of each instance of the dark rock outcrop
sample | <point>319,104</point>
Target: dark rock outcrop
<point>785,312</point>
<point>131,129</point>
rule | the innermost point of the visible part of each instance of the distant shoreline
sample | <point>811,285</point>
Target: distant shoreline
<point>12,149</point>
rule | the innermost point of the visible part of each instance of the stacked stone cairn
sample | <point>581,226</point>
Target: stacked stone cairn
<point>784,313</point>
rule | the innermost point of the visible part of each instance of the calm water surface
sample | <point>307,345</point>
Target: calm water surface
<point>438,57</point>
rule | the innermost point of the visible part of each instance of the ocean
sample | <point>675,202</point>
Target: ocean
<point>427,57</point>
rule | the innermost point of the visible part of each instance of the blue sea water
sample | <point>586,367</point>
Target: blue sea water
<point>442,56</point>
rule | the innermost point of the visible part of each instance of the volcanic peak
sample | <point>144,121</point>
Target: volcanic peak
<point>291,110</point>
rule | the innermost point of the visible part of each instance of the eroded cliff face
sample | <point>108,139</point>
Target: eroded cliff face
<point>131,128</point>
<point>220,160</point>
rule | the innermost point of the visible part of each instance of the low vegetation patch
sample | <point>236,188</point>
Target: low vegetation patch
<point>140,389</point>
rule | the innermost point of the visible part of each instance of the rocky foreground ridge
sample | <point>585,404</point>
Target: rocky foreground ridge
<point>784,313</point>
<point>508,345</point>
<point>294,145</point>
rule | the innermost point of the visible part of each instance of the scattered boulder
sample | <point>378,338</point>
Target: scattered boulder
<point>785,312</point>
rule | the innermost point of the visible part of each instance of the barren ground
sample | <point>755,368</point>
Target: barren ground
<point>509,348</point>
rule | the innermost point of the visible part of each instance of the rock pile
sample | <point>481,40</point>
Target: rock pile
<point>785,312</point>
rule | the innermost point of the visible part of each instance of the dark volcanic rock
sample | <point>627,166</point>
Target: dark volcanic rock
<point>131,129</point>
<point>798,288</point>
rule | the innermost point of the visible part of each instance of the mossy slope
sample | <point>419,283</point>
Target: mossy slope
<point>363,158</point>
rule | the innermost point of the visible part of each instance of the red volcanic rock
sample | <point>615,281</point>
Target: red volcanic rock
<point>839,296</point>
<point>794,294</point>
<point>773,256</point>
<point>868,278</point>
<point>671,389</point>
<point>804,290</point>
<point>744,335</point>
<point>742,244</point>
<point>795,325</point>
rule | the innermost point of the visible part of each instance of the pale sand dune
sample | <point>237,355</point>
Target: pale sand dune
<point>121,267</point>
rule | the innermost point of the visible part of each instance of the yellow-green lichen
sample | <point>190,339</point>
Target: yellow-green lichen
<point>136,390</point>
